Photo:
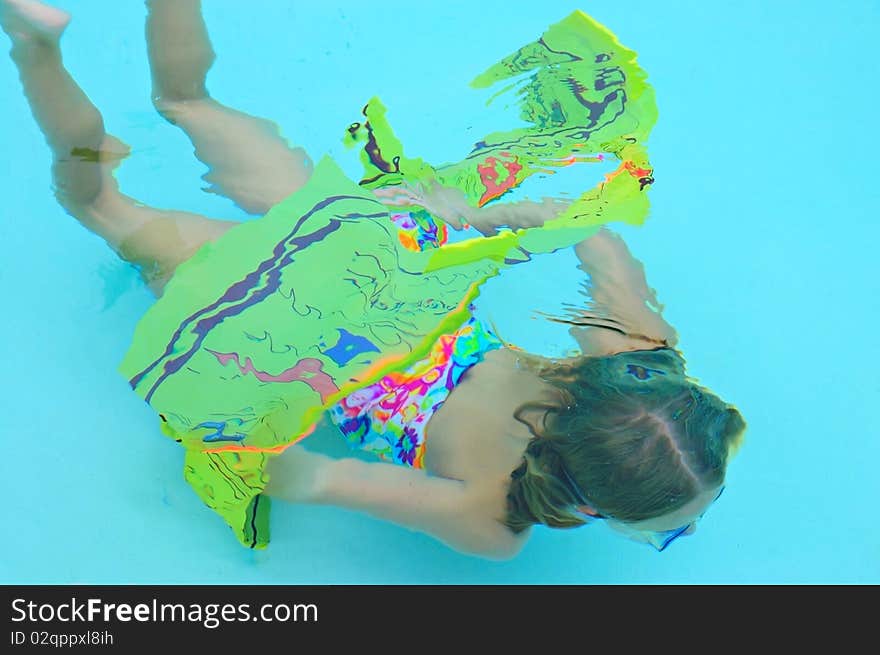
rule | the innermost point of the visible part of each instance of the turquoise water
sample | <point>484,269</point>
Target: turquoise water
<point>760,243</point>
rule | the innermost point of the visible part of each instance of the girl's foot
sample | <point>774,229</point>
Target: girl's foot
<point>32,20</point>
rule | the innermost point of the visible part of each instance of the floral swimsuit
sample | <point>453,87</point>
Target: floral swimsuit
<point>389,417</point>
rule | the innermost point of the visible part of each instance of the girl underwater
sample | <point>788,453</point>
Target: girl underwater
<point>348,302</point>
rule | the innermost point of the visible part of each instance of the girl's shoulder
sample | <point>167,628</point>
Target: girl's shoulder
<point>483,513</point>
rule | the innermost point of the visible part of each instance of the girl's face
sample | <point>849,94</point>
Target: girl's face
<point>661,531</point>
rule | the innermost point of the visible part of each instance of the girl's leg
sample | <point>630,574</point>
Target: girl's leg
<point>84,155</point>
<point>249,161</point>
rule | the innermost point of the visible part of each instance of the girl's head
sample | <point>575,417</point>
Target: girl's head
<point>628,438</point>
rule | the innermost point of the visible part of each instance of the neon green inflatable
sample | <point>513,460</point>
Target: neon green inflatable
<point>261,331</point>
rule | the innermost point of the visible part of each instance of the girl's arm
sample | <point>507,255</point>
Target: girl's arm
<point>449,510</point>
<point>623,312</point>
<point>451,205</point>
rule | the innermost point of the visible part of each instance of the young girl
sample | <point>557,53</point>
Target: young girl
<point>481,440</point>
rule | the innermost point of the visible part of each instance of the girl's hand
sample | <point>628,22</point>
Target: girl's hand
<point>450,205</point>
<point>297,475</point>
<point>447,204</point>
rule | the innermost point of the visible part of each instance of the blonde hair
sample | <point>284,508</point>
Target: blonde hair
<point>629,435</point>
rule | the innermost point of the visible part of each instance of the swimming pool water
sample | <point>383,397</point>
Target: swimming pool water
<point>760,244</point>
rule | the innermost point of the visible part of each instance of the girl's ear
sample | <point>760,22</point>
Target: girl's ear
<point>534,416</point>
